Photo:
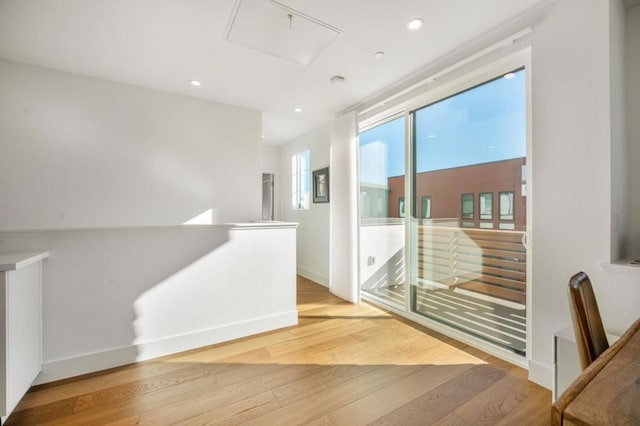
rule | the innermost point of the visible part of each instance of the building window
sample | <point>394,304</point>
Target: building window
<point>485,205</point>
<point>401,207</point>
<point>467,206</point>
<point>300,180</point>
<point>426,206</point>
<point>506,205</point>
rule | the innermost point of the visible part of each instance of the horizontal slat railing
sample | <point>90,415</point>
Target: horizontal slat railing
<point>490,262</point>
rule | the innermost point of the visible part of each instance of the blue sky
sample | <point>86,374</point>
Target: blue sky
<point>484,124</point>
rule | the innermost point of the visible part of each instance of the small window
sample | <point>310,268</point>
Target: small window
<point>401,207</point>
<point>426,207</point>
<point>467,206</point>
<point>485,205</point>
<point>300,180</point>
<point>506,205</point>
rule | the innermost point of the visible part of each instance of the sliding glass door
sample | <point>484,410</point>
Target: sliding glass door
<point>469,198</point>
<point>461,209</point>
<point>382,209</point>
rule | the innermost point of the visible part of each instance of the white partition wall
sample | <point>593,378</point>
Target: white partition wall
<point>119,295</point>
<point>343,265</point>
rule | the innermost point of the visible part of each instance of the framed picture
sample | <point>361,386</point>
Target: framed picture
<point>321,185</point>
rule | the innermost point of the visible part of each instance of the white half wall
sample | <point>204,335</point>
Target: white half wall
<point>313,228</point>
<point>115,296</point>
<point>85,152</point>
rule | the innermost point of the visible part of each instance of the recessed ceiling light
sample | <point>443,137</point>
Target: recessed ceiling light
<point>431,136</point>
<point>378,55</point>
<point>337,80</point>
<point>415,23</point>
<point>509,75</point>
<point>297,109</point>
<point>195,83</point>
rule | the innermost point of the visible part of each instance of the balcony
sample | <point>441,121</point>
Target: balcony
<point>473,280</point>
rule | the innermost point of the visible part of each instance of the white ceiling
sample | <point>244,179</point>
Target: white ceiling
<point>163,44</point>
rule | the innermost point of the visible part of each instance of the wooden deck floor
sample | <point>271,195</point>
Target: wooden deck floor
<point>499,324</point>
<point>342,365</point>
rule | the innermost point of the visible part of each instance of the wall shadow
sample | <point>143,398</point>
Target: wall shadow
<point>389,273</point>
<point>94,277</point>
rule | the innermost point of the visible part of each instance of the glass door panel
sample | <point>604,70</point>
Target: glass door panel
<point>470,195</point>
<point>382,209</point>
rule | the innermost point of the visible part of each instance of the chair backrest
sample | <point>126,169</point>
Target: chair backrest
<point>587,323</point>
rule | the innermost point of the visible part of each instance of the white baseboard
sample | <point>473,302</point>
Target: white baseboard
<point>541,374</point>
<point>89,363</point>
<point>314,276</point>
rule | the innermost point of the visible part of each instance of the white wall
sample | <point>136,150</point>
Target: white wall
<point>270,158</point>
<point>382,243</point>
<point>115,296</point>
<point>313,229</point>
<point>574,138</point>
<point>632,52</point>
<point>84,152</point>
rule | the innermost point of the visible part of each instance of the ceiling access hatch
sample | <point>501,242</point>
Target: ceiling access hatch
<point>278,30</point>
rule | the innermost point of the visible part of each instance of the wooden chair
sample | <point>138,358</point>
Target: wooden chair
<point>587,323</point>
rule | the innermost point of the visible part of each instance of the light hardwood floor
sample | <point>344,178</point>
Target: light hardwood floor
<point>342,365</point>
